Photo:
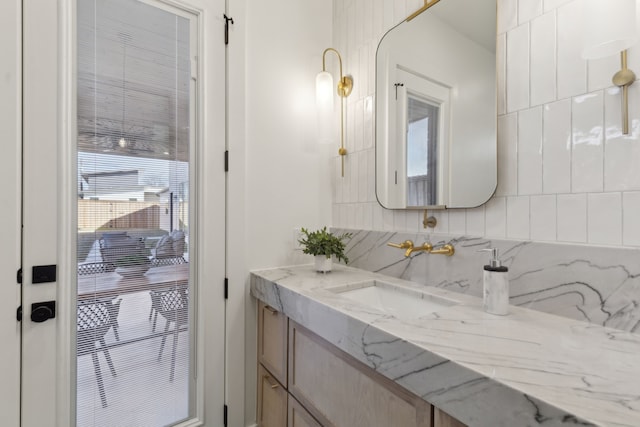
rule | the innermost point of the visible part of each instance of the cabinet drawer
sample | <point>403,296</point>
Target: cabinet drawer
<point>272,400</point>
<point>340,391</point>
<point>298,416</point>
<point>442,419</point>
<point>272,341</point>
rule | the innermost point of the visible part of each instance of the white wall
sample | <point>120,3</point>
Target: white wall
<point>287,179</point>
<point>565,173</point>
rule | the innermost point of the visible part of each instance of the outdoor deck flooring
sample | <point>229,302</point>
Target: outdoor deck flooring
<point>141,394</point>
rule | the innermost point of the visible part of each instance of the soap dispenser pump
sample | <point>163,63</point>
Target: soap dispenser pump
<point>496,285</point>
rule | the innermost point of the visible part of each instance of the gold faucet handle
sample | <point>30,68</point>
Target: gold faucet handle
<point>407,244</point>
<point>426,246</point>
<point>447,250</point>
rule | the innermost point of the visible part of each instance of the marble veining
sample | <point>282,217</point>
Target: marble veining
<point>599,285</point>
<point>528,368</point>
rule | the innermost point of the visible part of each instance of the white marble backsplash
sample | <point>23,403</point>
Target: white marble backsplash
<point>600,285</point>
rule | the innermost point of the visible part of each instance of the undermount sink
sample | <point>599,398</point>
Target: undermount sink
<point>398,301</point>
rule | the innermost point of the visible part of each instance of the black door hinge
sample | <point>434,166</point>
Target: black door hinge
<point>396,85</point>
<point>19,314</point>
<point>226,288</point>
<point>19,275</point>
<point>227,19</point>
<point>226,415</point>
<point>226,161</point>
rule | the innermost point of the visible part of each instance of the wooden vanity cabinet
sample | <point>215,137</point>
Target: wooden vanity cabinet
<point>272,341</point>
<point>304,381</point>
<point>442,419</point>
<point>341,391</point>
<point>298,415</point>
<point>272,400</point>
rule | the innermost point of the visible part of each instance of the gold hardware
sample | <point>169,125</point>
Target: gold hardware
<point>624,78</point>
<point>345,86</point>
<point>447,250</point>
<point>270,309</point>
<point>427,5</point>
<point>429,221</point>
<point>273,386</point>
<point>410,248</point>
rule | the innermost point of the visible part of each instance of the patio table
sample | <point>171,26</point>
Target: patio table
<point>111,284</point>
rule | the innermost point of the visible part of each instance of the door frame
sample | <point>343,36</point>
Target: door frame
<point>11,208</point>
<point>57,335</point>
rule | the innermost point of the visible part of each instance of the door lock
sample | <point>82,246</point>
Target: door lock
<point>43,311</point>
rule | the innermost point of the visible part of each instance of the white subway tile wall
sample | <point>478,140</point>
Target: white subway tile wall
<point>565,171</point>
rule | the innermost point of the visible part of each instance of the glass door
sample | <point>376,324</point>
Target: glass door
<point>135,136</point>
<point>125,212</point>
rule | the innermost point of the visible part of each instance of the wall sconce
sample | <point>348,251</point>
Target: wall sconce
<point>427,5</point>
<point>324,102</point>
<point>610,27</point>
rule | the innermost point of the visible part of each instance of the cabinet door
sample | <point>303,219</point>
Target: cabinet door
<point>340,391</point>
<point>272,341</point>
<point>442,419</point>
<point>272,400</point>
<point>298,416</point>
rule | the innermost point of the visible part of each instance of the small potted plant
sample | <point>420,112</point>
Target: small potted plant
<point>324,244</point>
<point>132,265</point>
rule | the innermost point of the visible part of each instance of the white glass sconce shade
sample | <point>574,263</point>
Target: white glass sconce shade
<point>610,27</point>
<point>324,107</point>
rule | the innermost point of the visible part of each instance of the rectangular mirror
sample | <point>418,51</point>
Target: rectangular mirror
<point>436,108</point>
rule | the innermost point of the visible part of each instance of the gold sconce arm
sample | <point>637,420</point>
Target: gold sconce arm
<point>344,89</point>
<point>427,5</point>
<point>447,250</point>
<point>623,79</point>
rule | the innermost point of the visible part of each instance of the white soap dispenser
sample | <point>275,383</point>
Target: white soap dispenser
<point>496,285</point>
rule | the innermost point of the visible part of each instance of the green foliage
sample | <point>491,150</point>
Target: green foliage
<point>322,242</point>
<point>131,260</point>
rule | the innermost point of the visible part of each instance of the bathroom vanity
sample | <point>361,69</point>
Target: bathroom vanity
<point>303,378</point>
<point>336,350</point>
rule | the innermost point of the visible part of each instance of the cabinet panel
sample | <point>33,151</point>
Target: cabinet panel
<point>442,419</point>
<point>298,416</point>
<point>272,341</point>
<point>340,391</point>
<point>272,400</point>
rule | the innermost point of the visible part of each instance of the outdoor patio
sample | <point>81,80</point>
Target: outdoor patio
<point>141,394</point>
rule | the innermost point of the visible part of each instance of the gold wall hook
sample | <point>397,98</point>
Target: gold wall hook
<point>623,79</point>
<point>429,221</point>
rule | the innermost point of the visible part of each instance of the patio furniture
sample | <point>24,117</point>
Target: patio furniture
<point>111,283</point>
<point>93,323</point>
<point>116,245</point>
<point>94,268</point>
<point>173,305</point>
<point>88,268</point>
<point>170,249</point>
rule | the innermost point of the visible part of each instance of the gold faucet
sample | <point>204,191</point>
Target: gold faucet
<point>410,248</point>
<point>447,249</point>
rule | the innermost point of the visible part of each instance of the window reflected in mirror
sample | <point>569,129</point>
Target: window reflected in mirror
<point>422,151</point>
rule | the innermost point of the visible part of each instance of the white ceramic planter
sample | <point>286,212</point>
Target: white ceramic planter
<point>323,264</point>
<point>132,271</point>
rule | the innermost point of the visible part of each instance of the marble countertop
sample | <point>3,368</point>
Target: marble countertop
<point>525,369</point>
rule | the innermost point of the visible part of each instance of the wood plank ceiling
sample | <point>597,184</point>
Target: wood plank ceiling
<point>133,80</point>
